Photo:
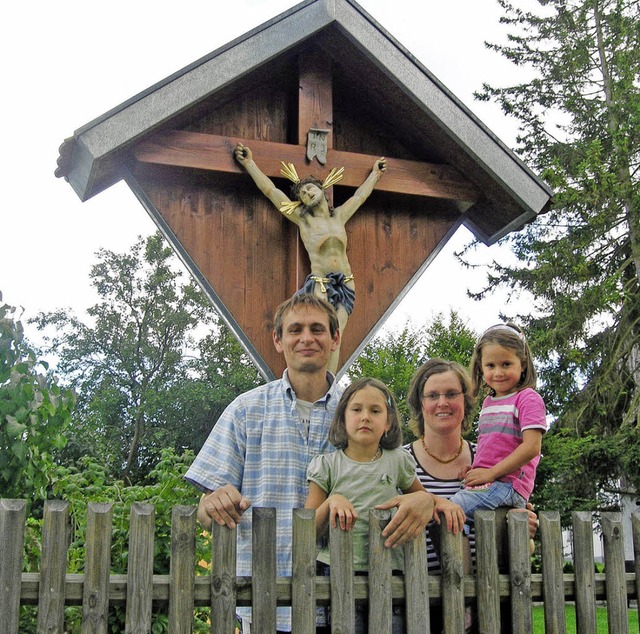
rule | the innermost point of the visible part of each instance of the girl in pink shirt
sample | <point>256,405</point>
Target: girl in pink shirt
<point>511,424</point>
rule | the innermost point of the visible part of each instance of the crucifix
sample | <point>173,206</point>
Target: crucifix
<point>313,154</point>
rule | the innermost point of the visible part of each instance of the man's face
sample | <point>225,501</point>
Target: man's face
<point>306,339</point>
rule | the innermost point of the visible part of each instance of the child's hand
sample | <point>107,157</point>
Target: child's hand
<point>453,514</point>
<point>475,477</point>
<point>464,471</point>
<point>341,510</point>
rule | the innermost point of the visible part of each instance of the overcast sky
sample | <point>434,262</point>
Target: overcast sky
<point>67,63</point>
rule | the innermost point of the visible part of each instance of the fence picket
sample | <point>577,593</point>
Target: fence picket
<point>520,573</point>
<point>451,561</point>
<point>182,563</point>
<point>303,591</point>
<point>342,591</point>
<point>53,566</point>
<point>380,603</point>
<point>416,579</point>
<point>263,569</point>
<point>553,581</point>
<point>223,579</point>
<point>487,573</point>
<point>95,598</point>
<point>504,602</point>
<point>12,518</point>
<point>585,577</point>
<point>140,569</point>
<point>617,616</point>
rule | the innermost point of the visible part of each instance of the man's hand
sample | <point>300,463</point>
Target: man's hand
<point>415,511</point>
<point>224,505</point>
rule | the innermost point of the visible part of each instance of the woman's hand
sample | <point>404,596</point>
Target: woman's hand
<point>454,516</point>
<point>341,511</point>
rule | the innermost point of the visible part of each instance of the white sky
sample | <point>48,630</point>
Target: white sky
<point>66,63</point>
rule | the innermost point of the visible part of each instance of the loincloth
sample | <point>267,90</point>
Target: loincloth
<point>334,285</point>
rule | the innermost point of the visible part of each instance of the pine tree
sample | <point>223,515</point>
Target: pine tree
<point>579,127</point>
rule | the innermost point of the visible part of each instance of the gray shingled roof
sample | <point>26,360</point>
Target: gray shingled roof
<point>428,115</point>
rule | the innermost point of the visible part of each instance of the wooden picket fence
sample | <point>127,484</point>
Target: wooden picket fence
<point>140,592</point>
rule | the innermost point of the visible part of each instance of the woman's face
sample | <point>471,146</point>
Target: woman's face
<point>442,402</point>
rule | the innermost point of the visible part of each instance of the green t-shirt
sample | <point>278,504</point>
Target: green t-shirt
<point>365,485</point>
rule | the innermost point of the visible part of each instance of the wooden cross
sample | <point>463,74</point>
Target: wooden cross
<point>204,151</point>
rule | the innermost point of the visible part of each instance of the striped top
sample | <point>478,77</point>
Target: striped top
<point>444,489</point>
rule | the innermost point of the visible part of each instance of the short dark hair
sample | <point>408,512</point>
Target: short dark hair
<point>508,336</point>
<point>421,376</point>
<point>305,299</point>
<point>338,430</point>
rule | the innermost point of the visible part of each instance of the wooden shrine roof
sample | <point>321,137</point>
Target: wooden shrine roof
<point>428,119</point>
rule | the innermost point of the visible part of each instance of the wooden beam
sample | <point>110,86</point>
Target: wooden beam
<point>213,152</point>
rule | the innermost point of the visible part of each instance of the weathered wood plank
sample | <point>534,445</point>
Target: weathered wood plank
<point>213,152</point>
<point>487,574</point>
<point>380,604</point>
<point>520,573</point>
<point>263,570</point>
<point>95,598</point>
<point>635,530</point>
<point>451,561</point>
<point>303,591</point>
<point>417,587</point>
<point>183,555</point>
<point>53,566</point>
<point>342,591</point>
<point>140,569</point>
<point>223,579</point>
<point>552,563</point>
<point>584,572</point>
<point>12,518</point>
<point>617,613</point>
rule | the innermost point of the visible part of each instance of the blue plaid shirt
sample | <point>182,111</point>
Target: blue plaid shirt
<point>260,446</point>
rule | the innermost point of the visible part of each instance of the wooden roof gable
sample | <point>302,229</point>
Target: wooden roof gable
<point>322,64</point>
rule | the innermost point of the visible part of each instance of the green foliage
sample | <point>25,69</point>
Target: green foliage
<point>149,364</point>
<point>90,482</point>
<point>394,357</point>
<point>35,413</point>
<point>580,262</point>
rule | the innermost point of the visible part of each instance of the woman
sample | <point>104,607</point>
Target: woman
<point>441,405</point>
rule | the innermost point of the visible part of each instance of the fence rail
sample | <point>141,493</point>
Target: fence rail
<point>140,591</point>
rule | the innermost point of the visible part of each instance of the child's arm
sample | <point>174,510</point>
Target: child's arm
<point>529,448</point>
<point>330,508</point>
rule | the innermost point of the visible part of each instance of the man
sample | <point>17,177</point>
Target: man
<point>259,450</point>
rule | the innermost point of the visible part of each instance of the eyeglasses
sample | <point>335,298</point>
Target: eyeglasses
<point>435,396</point>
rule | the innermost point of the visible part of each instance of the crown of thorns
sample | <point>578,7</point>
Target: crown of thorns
<point>288,170</point>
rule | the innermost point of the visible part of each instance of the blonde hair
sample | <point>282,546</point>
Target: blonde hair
<point>508,336</point>
<point>338,429</point>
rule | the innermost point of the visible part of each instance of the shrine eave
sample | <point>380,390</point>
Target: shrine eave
<point>98,153</point>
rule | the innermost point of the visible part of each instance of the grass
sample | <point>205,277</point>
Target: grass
<point>570,620</point>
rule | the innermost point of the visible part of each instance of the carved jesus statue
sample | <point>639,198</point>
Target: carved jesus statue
<point>321,227</point>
